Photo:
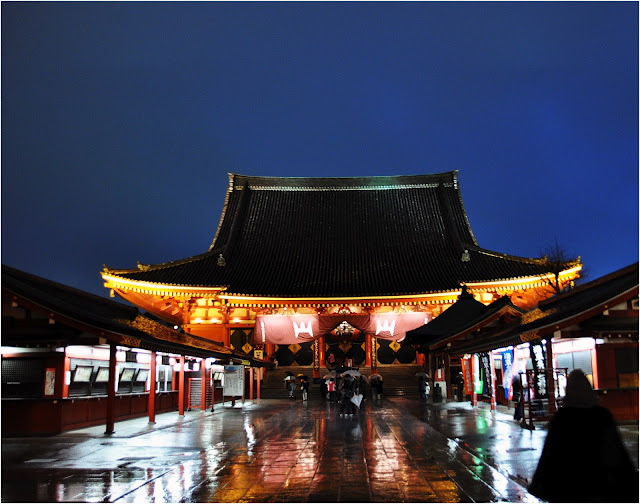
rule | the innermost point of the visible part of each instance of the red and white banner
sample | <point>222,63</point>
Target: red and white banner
<point>290,329</point>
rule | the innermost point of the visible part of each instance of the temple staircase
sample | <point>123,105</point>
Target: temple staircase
<point>398,380</point>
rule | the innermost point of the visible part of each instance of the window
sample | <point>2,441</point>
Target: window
<point>576,360</point>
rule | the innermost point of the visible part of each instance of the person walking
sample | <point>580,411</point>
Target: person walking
<point>422,385</point>
<point>348,390</point>
<point>518,398</point>
<point>304,386</point>
<point>584,458</point>
<point>331,389</point>
<point>292,390</point>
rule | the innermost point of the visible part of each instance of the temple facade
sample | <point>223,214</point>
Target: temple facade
<point>307,270</point>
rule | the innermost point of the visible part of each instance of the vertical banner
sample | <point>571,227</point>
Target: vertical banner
<point>468,379</point>
<point>477,374</point>
<point>233,381</point>
<point>507,372</point>
<point>485,367</point>
<point>538,360</point>
<point>316,355</point>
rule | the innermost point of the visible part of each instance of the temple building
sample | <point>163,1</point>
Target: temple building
<point>307,270</point>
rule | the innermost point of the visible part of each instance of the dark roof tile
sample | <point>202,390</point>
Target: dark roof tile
<point>329,237</point>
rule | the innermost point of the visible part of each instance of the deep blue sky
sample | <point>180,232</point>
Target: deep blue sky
<point>120,121</point>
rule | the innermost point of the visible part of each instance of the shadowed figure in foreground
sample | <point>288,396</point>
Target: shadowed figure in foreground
<point>584,459</point>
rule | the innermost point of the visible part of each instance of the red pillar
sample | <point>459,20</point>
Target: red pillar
<point>493,382</point>
<point>321,351</point>
<point>258,382</point>
<point>152,389</point>
<point>474,398</point>
<point>203,383</point>
<point>447,374</point>
<point>551,382</point>
<point>367,350</point>
<point>251,384</point>
<point>181,387</point>
<point>111,390</point>
<point>66,371</point>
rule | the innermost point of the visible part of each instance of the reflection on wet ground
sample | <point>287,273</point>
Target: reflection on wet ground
<point>395,450</point>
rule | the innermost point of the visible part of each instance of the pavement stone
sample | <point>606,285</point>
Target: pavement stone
<point>392,450</point>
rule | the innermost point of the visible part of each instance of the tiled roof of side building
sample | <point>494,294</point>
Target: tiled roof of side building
<point>331,237</point>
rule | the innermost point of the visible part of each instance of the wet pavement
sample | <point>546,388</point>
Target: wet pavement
<point>392,450</point>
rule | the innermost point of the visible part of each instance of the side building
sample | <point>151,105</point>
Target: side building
<point>501,349</point>
<point>71,359</point>
<point>303,270</point>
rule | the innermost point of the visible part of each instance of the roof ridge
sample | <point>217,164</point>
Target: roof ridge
<point>23,276</point>
<point>376,182</point>
<point>163,265</point>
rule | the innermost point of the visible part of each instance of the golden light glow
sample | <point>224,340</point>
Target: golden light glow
<point>114,282</point>
<point>522,283</point>
<point>283,301</point>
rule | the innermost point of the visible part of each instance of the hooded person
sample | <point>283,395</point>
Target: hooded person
<point>583,458</point>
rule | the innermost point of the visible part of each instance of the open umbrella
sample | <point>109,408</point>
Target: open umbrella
<point>300,375</point>
<point>422,373</point>
<point>327,376</point>
<point>289,377</point>
<point>351,372</point>
<point>375,376</point>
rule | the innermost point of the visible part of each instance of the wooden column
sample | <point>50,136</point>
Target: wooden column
<point>367,350</point>
<point>258,382</point>
<point>152,389</point>
<point>551,382</point>
<point>66,371</point>
<point>493,382</point>
<point>251,384</point>
<point>181,387</point>
<point>111,390</point>
<point>321,350</point>
<point>203,383</point>
<point>447,374</point>
<point>474,397</point>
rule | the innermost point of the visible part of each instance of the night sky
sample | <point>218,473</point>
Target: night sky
<point>120,121</point>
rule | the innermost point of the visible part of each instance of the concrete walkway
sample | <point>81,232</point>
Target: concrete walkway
<point>392,450</point>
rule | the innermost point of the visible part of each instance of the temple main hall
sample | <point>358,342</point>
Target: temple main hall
<point>310,270</point>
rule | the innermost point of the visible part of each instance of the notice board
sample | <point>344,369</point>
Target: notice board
<point>233,381</point>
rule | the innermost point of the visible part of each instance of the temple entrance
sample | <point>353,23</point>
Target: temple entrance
<point>345,346</point>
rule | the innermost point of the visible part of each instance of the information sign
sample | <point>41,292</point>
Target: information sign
<point>233,381</point>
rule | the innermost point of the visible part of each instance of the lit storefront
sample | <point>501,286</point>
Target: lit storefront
<point>593,327</point>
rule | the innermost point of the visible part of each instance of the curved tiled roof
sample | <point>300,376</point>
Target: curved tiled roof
<point>341,237</point>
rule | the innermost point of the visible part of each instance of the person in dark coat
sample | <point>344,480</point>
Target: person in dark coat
<point>584,458</point>
<point>460,384</point>
<point>518,398</point>
<point>347,391</point>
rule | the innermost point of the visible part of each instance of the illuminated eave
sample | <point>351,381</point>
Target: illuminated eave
<point>157,289</point>
<point>522,283</point>
<point>436,297</point>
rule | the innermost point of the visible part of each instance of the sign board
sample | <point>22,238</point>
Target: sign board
<point>233,381</point>
<point>258,354</point>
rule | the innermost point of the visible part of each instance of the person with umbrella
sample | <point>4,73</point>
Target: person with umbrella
<point>375,380</point>
<point>347,391</point>
<point>291,386</point>
<point>304,386</point>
